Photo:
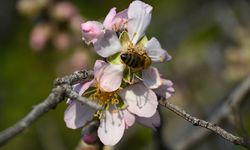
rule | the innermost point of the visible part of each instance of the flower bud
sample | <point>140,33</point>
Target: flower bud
<point>74,24</point>
<point>39,36</point>
<point>31,7</point>
<point>63,11</point>
<point>92,31</point>
<point>89,134</point>
<point>62,41</point>
<point>79,60</point>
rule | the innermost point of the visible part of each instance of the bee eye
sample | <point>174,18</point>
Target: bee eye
<point>124,56</point>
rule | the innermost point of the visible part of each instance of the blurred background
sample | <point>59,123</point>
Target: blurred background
<point>209,41</point>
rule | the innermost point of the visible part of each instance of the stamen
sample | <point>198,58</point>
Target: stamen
<point>134,35</point>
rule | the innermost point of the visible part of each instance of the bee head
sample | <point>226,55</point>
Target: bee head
<point>124,56</point>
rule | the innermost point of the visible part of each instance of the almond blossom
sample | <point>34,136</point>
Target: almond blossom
<point>120,108</point>
<point>125,31</point>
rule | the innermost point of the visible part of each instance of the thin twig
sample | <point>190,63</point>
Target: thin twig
<point>62,87</point>
<point>234,99</point>
<point>74,78</point>
<point>55,97</point>
<point>198,122</point>
<point>75,96</point>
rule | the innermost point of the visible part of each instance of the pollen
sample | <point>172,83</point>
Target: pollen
<point>98,114</point>
<point>161,59</point>
<point>105,98</point>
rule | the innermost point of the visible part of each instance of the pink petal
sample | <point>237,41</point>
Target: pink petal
<point>111,127</point>
<point>151,78</point>
<point>165,90</point>
<point>100,65</point>
<point>108,20</point>
<point>85,86</point>
<point>119,22</point>
<point>92,31</point>
<point>155,52</point>
<point>152,122</point>
<point>122,14</point>
<point>111,78</point>
<point>76,88</point>
<point>108,45</point>
<point>129,118</point>
<point>140,100</point>
<point>77,115</point>
<point>139,17</point>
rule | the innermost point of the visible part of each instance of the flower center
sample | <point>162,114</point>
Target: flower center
<point>105,98</point>
<point>102,97</point>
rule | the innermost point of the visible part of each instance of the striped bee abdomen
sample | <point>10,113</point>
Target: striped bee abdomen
<point>135,60</point>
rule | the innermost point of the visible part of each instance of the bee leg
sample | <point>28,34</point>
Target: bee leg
<point>131,80</point>
<point>131,77</point>
<point>136,76</point>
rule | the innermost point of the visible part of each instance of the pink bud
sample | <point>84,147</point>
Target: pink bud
<point>89,139</point>
<point>39,36</point>
<point>62,41</point>
<point>79,60</point>
<point>75,23</point>
<point>92,31</point>
<point>31,8</point>
<point>63,11</point>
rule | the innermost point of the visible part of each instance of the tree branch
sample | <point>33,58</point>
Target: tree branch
<point>62,88</point>
<point>233,100</point>
<point>55,97</point>
<point>198,122</point>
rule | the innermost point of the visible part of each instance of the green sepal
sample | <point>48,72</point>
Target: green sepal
<point>126,75</point>
<point>142,43</point>
<point>115,59</point>
<point>124,40</point>
<point>121,103</point>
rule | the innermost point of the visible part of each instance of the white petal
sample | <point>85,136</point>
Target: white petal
<point>152,122</point>
<point>85,86</point>
<point>100,65</point>
<point>107,23</point>
<point>165,90</point>
<point>77,115</point>
<point>151,78</point>
<point>155,52</point>
<point>111,78</point>
<point>108,45</point>
<point>139,17</point>
<point>129,118</point>
<point>79,88</point>
<point>140,100</point>
<point>111,128</point>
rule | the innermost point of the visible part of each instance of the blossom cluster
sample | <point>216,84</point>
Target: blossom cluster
<point>125,83</point>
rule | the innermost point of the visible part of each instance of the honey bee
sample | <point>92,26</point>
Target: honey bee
<point>135,60</point>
